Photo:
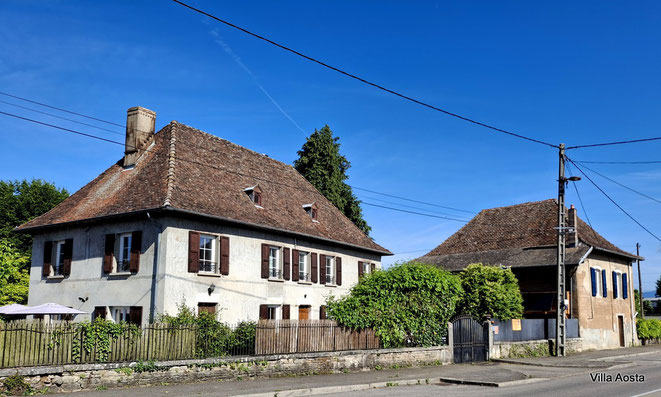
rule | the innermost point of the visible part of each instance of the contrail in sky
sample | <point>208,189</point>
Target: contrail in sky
<point>238,61</point>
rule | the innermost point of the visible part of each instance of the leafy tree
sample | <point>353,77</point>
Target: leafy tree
<point>407,305</point>
<point>490,290</point>
<point>14,275</point>
<point>21,201</point>
<point>321,163</point>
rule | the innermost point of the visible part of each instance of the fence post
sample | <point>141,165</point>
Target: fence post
<point>4,345</point>
<point>489,330</point>
<point>451,341</point>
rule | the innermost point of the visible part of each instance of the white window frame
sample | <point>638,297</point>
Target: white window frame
<point>275,263</point>
<point>57,268</point>
<point>330,270</point>
<point>304,271</point>
<point>599,282</point>
<point>620,284</point>
<point>121,311</point>
<point>213,262</point>
<point>367,267</point>
<point>124,259</point>
<point>275,309</point>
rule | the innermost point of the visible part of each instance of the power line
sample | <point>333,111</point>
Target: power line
<point>60,109</point>
<point>362,80</point>
<point>62,118</point>
<point>622,185</point>
<point>416,213</point>
<point>404,205</point>
<point>614,143</point>
<point>411,200</point>
<point>618,162</point>
<point>613,201</point>
<point>580,200</point>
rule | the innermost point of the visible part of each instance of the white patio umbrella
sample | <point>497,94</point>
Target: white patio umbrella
<point>48,308</point>
<point>10,309</point>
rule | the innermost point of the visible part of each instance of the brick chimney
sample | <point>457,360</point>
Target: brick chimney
<point>572,237</point>
<point>140,124</point>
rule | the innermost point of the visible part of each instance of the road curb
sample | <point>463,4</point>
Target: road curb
<point>340,389</point>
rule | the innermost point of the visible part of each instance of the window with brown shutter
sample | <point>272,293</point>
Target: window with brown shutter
<point>263,312</point>
<point>265,260</point>
<point>286,315</point>
<point>48,255</point>
<point>295,268</point>
<point>286,266</point>
<point>193,252</point>
<point>322,312</point>
<point>360,268</point>
<point>322,269</point>
<point>338,270</point>
<point>100,312</point>
<point>136,249</point>
<point>315,266</point>
<point>67,256</point>
<point>135,315</point>
<point>224,255</point>
<point>109,254</point>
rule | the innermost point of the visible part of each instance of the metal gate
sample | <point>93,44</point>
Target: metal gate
<point>470,339</point>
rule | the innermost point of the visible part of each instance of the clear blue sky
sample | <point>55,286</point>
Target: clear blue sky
<point>558,71</point>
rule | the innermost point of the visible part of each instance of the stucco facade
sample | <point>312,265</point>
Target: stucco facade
<point>163,281</point>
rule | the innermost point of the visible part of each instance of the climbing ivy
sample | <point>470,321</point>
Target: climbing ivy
<point>97,336</point>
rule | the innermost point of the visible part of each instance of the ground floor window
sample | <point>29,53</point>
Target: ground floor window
<point>206,307</point>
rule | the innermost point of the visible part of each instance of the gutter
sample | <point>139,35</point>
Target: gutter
<point>154,280</point>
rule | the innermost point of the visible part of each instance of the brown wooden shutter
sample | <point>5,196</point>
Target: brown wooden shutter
<point>68,256</point>
<point>322,312</point>
<point>338,270</point>
<point>315,271</point>
<point>286,263</point>
<point>136,249</point>
<point>360,268</point>
<point>193,252</point>
<point>286,315</point>
<point>265,261</point>
<point>224,255</point>
<point>263,312</point>
<point>48,255</point>
<point>294,258</point>
<point>135,315</point>
<point>109,253</point>
<point>372,267</point>
<point>100,312</point>
<point>322,269</point>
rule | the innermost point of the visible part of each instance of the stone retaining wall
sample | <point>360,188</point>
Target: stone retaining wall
<point>531,348</point>
<point>101,376</point>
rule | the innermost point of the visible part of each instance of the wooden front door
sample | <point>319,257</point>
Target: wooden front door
<point>304,312</point>
<point>620,329</point>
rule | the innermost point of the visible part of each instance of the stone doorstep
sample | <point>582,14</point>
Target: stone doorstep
<point>59,369</point>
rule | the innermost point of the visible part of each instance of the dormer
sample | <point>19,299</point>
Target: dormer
<point>255,195</point>
<point>311,210</point>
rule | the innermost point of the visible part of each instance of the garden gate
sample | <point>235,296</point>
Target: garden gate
<point>470,339</point>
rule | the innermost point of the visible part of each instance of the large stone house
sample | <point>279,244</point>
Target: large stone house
<point>599,280</point>
<point>187,217</point>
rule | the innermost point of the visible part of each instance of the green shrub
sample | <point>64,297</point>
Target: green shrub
<point>243,337</point>
<point>490,291</point>
<point>407,305</point>
<point>648,328</point>
<point>16,385</point>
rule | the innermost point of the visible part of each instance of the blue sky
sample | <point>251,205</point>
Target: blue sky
<point>556,71</point>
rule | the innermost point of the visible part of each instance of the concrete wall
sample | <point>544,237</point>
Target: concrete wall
<point>91,376</point>
<point>531,348</point>
<point>598,316</point>
<point>237,295</point>
<point>240,293</point>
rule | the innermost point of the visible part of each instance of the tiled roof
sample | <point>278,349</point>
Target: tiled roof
<point>505,232</point>
<point>189,170</point>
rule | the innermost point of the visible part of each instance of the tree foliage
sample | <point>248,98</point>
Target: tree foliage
<point>407,305</point>
<point>490,290</point>
<point>21,201</point>
<point>14,275</point>
<point>658,287</point>
<point>321,163</point>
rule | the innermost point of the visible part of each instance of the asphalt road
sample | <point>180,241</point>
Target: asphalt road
<point>565,386</point>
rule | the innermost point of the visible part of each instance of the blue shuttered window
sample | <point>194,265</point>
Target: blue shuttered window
<point>593,277</point>
<point>615,285</point>
<point>625,286</point>
<point>604,282</point>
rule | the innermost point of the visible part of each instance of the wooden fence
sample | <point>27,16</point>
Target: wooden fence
<point>299,336</point>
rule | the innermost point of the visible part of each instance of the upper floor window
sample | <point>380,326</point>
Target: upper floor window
<point>312,210</point>
<point>122,252</point>
<point>207,261</point>
<point>304,272</point>
<point>57,258</point>
<point>330,270</point>
<point>255,194</point>
<point>124,258</point>
<point>275,271</point>
<point>598,280</point>
<point>366,268</point>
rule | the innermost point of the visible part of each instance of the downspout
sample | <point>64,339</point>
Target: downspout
<point>154,277</point>
<point>631,298</point>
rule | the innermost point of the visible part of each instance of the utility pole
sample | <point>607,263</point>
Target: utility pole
<point>560,324</point>
<point>640,284</point>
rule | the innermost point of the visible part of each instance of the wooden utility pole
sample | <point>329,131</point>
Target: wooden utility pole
<point>560,323</point>
<point>640,283</point>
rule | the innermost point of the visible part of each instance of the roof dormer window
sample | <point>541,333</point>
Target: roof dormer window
<point>255,195</point>
<point>312,210</point>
